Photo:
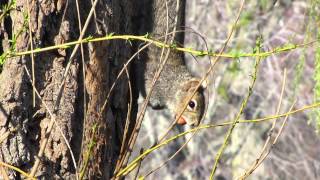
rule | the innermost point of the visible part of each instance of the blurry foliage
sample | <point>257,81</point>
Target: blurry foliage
<point>245,19</point>
<point>299,71</point>
<point>234,68</point>
<point>314,13</point>
<point>264,4</point>
<point>317,84</point>
<point>223,91</point>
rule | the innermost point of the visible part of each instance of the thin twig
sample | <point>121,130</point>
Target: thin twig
<point>53,116</point>
<point>179,150</point>
<point>32,57</point>
<point>204,78</point>
<point>17,169</point>
<point>95,18</point>
<point>74,52</point>
<point>264,149</point>
<point>6,134</point>
<point>4,173</point>
<point>171,157</point>
<point>139,166</point>
<point>83,77</point>
<point>122,154</point>
<point>6,10</point>
<point>47,133</point>
<point>120,159</point>
<point>269,150</point>
<point>126,130</point>
<point>244,102</point>
<point>133,163</point>
<point>205,111</point>
<point>134,135</point>
<point>276,50</point>
<point>162,51</point>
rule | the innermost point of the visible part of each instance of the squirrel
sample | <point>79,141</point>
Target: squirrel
<point>176,84</point>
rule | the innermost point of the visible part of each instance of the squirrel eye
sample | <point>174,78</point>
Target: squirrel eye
<point>192,104</point>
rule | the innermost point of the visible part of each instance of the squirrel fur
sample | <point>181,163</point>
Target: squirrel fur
<point>175,84</point>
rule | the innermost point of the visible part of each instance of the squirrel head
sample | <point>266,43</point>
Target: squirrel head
<point>195,107</point>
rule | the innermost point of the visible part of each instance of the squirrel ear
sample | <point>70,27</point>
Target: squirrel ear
<point>204,84</point>
<point>194,83</point>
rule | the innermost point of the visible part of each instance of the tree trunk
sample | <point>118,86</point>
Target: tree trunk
<point>23,126</point>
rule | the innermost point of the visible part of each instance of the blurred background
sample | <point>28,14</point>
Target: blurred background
<point>296,153</point>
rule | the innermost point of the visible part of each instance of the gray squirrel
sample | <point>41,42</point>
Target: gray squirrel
<point>175,84</point>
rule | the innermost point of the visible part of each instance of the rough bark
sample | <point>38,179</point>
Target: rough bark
<point>110,123</point>
<point>54,22</point>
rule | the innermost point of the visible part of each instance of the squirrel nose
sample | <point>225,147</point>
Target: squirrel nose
<point>181,121</point>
